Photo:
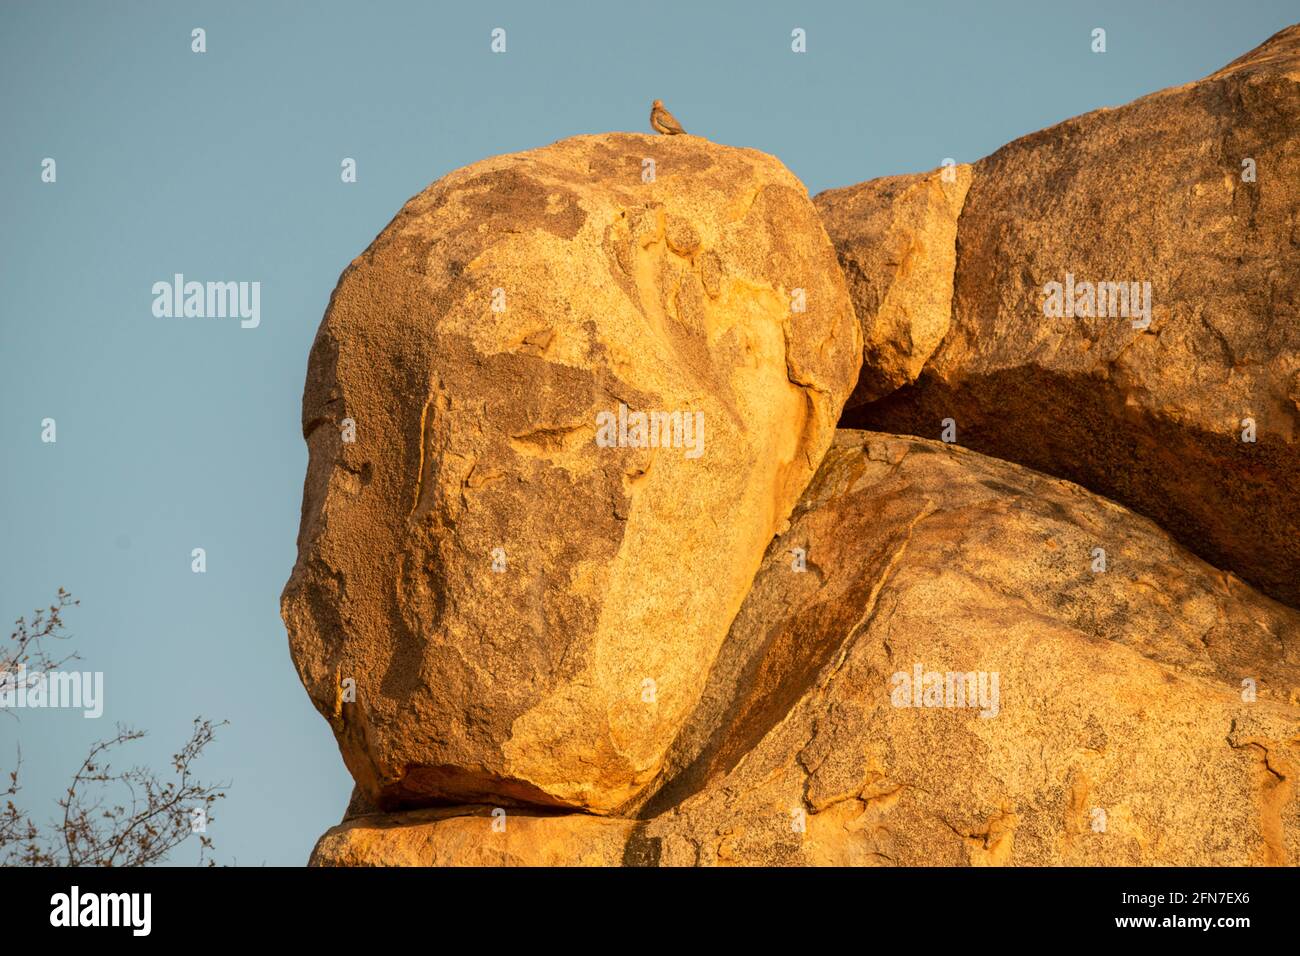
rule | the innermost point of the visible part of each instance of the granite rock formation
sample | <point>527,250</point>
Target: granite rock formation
<point>896,239</point>
<point>1067,634</point>
<point>1136,708</point>
<point>1171,230</point>
<point>560,389</point>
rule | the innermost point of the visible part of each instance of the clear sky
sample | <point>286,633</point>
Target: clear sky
<point>174,434</point>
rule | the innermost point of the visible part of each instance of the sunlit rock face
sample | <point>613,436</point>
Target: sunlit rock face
<point>556,412</point>
<point>896,239</point>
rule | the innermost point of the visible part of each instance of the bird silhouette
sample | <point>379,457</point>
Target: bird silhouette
<point>662,121</point>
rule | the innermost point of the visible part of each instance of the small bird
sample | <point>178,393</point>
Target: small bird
<point>662,121</point>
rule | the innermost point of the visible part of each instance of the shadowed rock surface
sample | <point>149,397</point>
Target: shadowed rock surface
<point>1151,192</point>
<point>482,590</point>
<point>1120,732</point>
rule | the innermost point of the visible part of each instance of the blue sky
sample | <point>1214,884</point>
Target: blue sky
<point>176,434</point>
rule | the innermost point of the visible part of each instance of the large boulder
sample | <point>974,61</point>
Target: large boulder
<point>896,239</point>
<point>1131,707</point>
<point>510,584</point>
<point>1126,311</point>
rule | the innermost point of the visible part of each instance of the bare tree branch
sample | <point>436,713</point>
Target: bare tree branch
<point>147,819</point>
<point>26,647</point>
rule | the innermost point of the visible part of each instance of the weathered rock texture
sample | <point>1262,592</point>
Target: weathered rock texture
<point>896,239</point>
<point>1121,732</point>
<point>473,346</point>
<point>1152,192</point>
<point>472,836</point>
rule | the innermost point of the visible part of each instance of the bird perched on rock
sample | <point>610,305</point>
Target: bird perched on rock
<point>662,121</point>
